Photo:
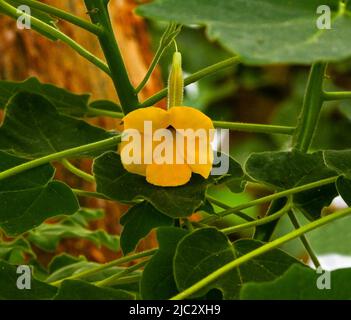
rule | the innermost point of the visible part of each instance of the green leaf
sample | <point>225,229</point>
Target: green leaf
<point>31,197</point>
<point>15,251</point>
<point>48,236</point>
<point>33,128</point>
<point>300,283</point>
<point>157,282</point>
<point>137,224</point>
<point>64,101</point>
<point>115,182</point>
<point>285,33</point>
<point>206,250</point>
<point>339,161</point>
<point>80,290</point>
<point>60,261</point>
<point>286,170</point>
<point>343,185</point>
<point>333,238</point>
<point>9,290</point>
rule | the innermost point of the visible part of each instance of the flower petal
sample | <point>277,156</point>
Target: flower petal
<point>137,118</point>
<point>197,153</point>
<point>168,175</point>
<point>189,118</point>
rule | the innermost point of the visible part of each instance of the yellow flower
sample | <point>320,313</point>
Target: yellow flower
<point>195,152</point>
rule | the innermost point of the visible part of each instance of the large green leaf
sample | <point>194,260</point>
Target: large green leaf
<point>118,184</point>
<point>137,224</point>
<point>48,236</point>
<point>264,31</point>
<point>204,251</point>
<point>81,290</point>
<point>300,283</point>
<point>9,290</point>
<point>115,182</point>
<point>157,282</point>
<point>343,185</point>
<point>31,197</point>
<point>286,170</point>
<point>339,161</point>
<point>64,101</point>
<point>33,128</point>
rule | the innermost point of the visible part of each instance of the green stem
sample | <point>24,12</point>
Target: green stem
<point>79,173</point>
<point>312,105</point>
<point>110,281</point>
<point>236,126</point>
<point>99,16</point>
<point>73,152</point>
<point>61,14</point>
<point>105,266</point>
<point>107,113</point>
<point>188,225</point>
<point>128,280</point>
<point>333,96</point>
<point>257,252</point>
<point>193,78</point>
<point>304,240</point>
<point>251,127</point>
<point>88,194</point>
<point>53,32</point>
<point>258,222</point>
<point>222,205</point>
<point>271,197</point>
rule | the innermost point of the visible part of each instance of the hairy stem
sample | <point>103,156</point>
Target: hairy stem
<point>106,266</point>
<point>193,78</point>
<point>271,197</point>
<point>304,240</point>
<point>73,152</point>
<point>99,16</point>
<point>311,109</point>
<point>76,171</point>
<point>61,14</point>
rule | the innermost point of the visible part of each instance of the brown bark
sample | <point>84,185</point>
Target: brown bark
<point>26,53</point>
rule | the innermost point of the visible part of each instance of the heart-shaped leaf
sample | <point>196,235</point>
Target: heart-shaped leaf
<point>300,283</point>
<point>33,128</point>
<point>206,250</point>
<point>31,197</point>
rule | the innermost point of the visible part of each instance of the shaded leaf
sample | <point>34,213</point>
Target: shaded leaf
<point>339,161</point>
<point>116,183</point>
<point>157,282</point>
<point>64,101</point>
<point>287,287</point>
<point>137,224</point>
<point>80,290</point>
<point>286,170</point>
<point>343,185</point>
<point>48,236</point>
<point>29,198</point>
<point>9,290</point>
<point>285,33</point>
<point>206,250</point>
<point>33,128</point>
